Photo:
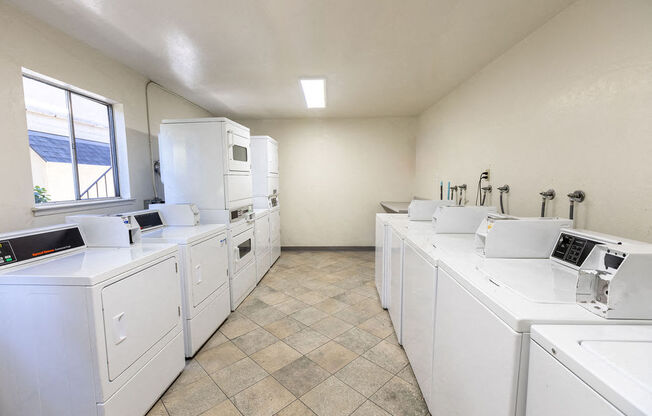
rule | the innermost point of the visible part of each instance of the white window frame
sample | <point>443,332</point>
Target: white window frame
<point>78,204</point>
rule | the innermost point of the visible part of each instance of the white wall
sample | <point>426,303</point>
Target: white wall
<point>27,42</point>
<point>334,173</point>
<point>569,107</point>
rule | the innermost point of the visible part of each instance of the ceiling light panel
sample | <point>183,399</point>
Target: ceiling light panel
<point>314,90</point>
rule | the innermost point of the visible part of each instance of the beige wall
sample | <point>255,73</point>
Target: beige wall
<point>334,173</point>
<point>27,42</point>
<point>570,107</point>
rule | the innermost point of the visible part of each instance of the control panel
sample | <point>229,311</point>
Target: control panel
<point>26,247</point>
<point>240,213</point>
<point>573,249</point>
<point>6,253</point>
<point>149,220</point>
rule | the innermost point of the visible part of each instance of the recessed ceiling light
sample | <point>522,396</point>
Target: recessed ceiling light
<point>315,92</point>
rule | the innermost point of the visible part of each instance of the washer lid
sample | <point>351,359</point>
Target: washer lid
<point>614,360</point>
<point>539,281</point>
<point>182,234</point>
<point>86,267</point>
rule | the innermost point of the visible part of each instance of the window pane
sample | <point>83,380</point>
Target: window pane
<point>49,142</point>
<point>93,141</point>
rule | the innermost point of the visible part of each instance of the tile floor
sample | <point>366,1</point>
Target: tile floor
<point>311,339</point>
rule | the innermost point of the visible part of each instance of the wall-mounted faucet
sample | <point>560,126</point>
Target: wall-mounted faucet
<point>546,196</point>
<point>462,195</point>
<point>576,196</point>
<point>454,193</point>
<point>503,190</point>
<point>485,190</point>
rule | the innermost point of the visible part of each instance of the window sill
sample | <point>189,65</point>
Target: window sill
<point>66,207</point>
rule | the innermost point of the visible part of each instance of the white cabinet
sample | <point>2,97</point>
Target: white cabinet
<point>418,319</point>
<point>476,355</point>
<point>395,282</point>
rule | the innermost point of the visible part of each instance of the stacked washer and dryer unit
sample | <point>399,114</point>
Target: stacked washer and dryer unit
<point>207,161</point>
<point>265,175</point>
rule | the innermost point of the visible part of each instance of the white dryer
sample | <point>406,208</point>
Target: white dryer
<point>204,264</point>
<point>242,255</point>
<point>590,370</point>
<point>86,331</point>
<point>275,229</point>
<point>263,242</point>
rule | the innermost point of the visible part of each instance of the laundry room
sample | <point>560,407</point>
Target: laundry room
<point>330,208</point>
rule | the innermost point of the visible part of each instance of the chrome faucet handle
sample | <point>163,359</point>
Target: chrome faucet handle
<point>577,196</point>
<point>549,194</point>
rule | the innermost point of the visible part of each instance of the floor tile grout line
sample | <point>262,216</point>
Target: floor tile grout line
<point>360,290</point>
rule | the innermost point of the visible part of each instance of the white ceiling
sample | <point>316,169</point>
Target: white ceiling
<point>243,58</point>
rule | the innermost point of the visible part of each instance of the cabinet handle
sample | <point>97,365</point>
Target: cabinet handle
<point>119,328</point>
<point>198,273</point>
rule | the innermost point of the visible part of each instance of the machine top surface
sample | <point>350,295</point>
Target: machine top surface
<point>613,359</point>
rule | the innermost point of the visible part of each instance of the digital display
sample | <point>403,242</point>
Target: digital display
<point>36,245</point>
<point>149,220</point>
<point>573,249</point>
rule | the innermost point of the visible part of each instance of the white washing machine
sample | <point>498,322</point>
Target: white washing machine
<point>394,282</point>
<point>263,243</point>
<point>242,257</point>
<point>414,292</point>
<point>204,262</point>
<point>86,331</point>
<point>590,370</point>
<point>382,255</point>
<point>483,314</point>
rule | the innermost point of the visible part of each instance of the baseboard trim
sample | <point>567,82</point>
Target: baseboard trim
<point>327,248</point>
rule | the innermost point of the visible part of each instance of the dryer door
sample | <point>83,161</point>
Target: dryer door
<point>139,310</point>
<point>208,267</point>
<point>275,225</point>
<point>261,231</point>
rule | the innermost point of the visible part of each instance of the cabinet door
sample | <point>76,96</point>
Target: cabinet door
<point>208,265</point>
<point>419,284</point>
<point>554,390</point>
<point>275,225</point>
<point>140,310</point>
<point>476,356</point>
<point>238,149</point>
